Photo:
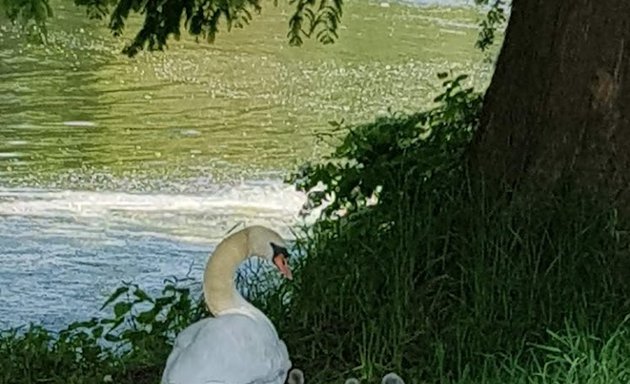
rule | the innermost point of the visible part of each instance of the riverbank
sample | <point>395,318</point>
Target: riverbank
<point>437,281</point>
<point>211,129</point>
<point>62,251</point>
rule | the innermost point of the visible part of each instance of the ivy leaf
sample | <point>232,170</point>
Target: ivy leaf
<point>121,309</point>
<point>117,293</point>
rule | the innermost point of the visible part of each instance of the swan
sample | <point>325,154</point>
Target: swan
<point>296,376</point>
<point>239,345</point>
<point>390,378</point>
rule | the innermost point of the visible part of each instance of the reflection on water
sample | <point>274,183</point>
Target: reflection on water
<point>117,168</point>
<point>247,104</point>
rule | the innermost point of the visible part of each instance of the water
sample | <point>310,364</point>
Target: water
<point>64,251</point>
<point>133,169</point>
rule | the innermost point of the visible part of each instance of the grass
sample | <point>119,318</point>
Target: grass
<point>449,290</point>
<point>439,281</point>
<point>456,288</point>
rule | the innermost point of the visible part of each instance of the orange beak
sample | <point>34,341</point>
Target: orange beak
<point>281,263</point>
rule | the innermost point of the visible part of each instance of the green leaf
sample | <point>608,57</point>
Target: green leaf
<point>121,309</point>
<point>112,338</point>
<point>97,331</point>
<point>117,293</point>
<point>81,324</point>
<point>133,335</point>
<point>142,296</point>
<point>162,301</point>
<point>146,317</point>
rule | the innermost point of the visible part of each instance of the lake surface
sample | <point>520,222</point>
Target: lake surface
<point>118,169</point>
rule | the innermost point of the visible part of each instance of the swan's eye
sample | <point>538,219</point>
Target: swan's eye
<point>279,250</point>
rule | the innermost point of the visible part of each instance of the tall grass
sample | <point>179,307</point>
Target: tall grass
<point>439,284</point>
<point>438,281</point>
<point>439,277</point>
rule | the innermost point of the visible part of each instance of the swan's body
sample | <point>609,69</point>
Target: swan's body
<point>232,348</point>
<point>240,344</point>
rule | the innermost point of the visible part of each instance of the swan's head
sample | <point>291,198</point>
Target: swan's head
<point>269,245</point>
<point>296,376</point>
<point>392,378</point>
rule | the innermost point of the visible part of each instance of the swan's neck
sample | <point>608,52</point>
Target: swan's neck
<point>219,288</point>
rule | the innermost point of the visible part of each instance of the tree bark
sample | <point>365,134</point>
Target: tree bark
<point>558,105</point>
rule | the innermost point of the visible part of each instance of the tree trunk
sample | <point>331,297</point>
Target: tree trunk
<point>558,105</point>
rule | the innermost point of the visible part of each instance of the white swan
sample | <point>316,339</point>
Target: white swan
<point>390,378</point>
<point>296,376</point>
<point>239,345</point>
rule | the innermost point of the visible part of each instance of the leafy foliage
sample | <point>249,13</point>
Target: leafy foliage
<point>323,22</point>
<point>421,144</point>
<point>201,18</point>
<point>139,319</point>
<point>30,14</point>
<point>495,18</point>
<point>439,281</point>
<point>131,345</point>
